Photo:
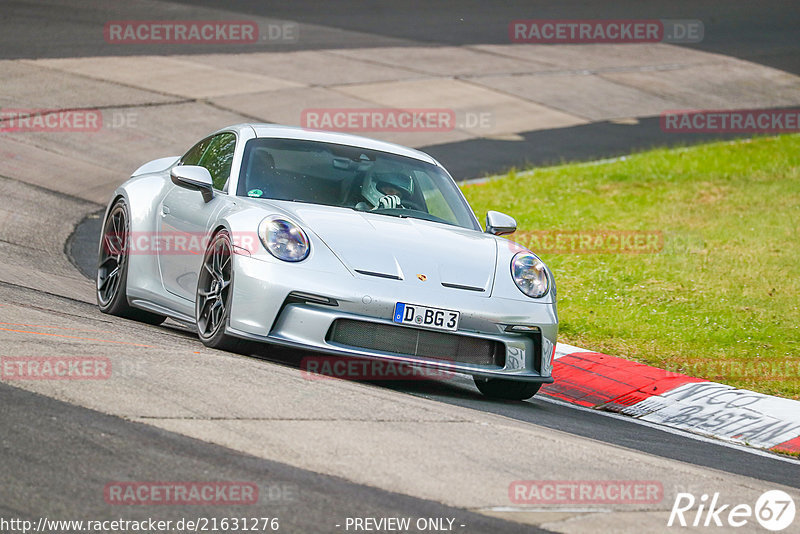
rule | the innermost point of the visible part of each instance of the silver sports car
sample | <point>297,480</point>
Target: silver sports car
<point>330,243</point>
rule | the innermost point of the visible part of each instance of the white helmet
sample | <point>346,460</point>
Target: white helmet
<point>376,181</point>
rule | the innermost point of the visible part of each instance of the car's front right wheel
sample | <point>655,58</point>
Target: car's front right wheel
<point>502,388</point>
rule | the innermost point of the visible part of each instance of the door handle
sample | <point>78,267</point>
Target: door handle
<point>164,209</point>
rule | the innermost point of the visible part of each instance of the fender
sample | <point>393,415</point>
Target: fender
<point>157,165</point>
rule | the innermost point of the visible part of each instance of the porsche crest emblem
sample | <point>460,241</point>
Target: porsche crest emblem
<point>422,277</point>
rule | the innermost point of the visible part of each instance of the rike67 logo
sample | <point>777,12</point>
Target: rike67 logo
<point>774,510</point>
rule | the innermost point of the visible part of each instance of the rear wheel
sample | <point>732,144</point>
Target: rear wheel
<point>112,268</point>
<point>501,388</point>
<point>213,298</point>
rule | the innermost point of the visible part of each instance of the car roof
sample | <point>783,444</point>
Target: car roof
<point>339,138</point>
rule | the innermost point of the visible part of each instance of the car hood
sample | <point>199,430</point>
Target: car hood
<point>403,248</point>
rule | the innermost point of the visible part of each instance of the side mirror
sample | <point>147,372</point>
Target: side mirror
<point>499,223</point>
<point>195,178</point>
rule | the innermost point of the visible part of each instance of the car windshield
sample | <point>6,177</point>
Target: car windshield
<point>351,177</point>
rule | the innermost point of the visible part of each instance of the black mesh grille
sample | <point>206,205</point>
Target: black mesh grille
<point>416,342</point>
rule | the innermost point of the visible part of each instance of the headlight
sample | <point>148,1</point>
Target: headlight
<point>530,274</point>
<point>283,239</point>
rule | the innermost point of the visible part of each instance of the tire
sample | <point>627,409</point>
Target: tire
<point>112,268</point>
<point>213,296</point>
<point>502,388</point>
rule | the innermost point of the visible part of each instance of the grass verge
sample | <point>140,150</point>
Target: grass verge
<point>710,282</point>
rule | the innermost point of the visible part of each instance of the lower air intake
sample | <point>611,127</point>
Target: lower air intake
<point>415,342</point>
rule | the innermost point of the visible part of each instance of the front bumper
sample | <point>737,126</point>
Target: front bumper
<point>296,307</point>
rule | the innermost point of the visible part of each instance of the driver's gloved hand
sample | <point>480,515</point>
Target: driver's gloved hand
<point>389,202</point>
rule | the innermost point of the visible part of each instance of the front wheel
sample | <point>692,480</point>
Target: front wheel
<point>502,388</point>
<point>213,298</point>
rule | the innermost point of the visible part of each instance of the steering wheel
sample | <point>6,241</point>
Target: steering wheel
<point>411,205</point>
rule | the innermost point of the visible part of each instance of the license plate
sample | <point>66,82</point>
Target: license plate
<point>426,317</point>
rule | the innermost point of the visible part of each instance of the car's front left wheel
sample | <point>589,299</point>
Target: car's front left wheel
<point>213,297</point>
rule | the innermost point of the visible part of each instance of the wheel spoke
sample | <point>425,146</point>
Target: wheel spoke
<point>116,234</point>
<point>215,259</point>
<point>112,290</point>
<point>227,261</point>
<point>205,317</point>
<point>220,315</point>
<point>108,277</point>
<point>108,244</point>
<point>208,304</point>
<point>214,315</point>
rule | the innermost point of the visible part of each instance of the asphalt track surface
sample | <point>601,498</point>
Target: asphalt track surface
<point>44,476</point>
<point>57,456</point>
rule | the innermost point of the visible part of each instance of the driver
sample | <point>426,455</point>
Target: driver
<point>394,188</point>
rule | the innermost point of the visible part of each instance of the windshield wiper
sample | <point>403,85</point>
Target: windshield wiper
<point>380,212</point>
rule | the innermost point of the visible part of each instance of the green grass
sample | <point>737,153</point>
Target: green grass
<point>720,300</point>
